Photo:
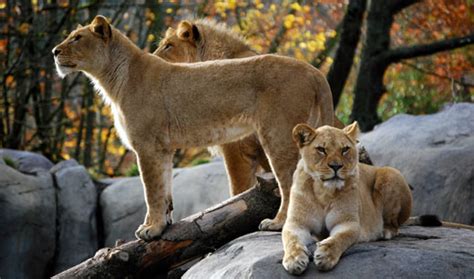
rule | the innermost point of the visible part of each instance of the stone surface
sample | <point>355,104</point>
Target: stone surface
<point>417,253</point>
<point>435,153</point>
<point>28,224</point>
<point>77,221</point>
<point>26,162</point>
<point>194,189</point>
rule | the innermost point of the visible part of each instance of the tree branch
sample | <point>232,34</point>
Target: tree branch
<point>186,240</point>
<point>398,5</point>
<point>397,54</point>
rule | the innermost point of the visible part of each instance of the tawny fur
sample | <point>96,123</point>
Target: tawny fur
<point>204,40</point>
<point>338,199</point>
<point>159,107</point>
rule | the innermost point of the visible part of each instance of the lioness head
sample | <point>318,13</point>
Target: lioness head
<point>329,154</point>
<point>180,45</point>
<point>84,49</point>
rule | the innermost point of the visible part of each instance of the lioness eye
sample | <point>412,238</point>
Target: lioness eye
<point>345,149</point>
<point>167,46</point>
<point>321,150</point>
<point>77,37</point>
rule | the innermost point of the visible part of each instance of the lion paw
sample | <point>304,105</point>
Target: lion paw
<point>149,232</point>
<point>270,225</point>
<point>296,263</point>
<point>324,258</point>
<point>389,233</point>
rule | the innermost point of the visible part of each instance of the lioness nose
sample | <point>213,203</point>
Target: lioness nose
<point>335,166</point>
<point>56,51</point>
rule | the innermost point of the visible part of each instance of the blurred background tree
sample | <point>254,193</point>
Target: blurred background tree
<point>381,58</point>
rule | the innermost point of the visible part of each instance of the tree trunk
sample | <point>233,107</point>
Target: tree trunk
<point>349,38</point>
<point>186,240</point>
<point>369,85</point>
<point>90,125</point>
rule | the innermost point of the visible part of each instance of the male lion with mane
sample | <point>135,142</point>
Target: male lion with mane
<point>204,40</point>
<point>338,199</point>
<point>159,107</point>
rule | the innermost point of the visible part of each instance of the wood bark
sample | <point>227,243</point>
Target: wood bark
<point>349,39</point>
<point>185,240</point>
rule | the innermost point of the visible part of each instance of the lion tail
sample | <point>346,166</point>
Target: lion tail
<point>323,101</point>
<point>434,221</point>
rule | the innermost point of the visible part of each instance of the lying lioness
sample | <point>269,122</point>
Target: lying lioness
<point>338,199</point>
<point>159,107</point>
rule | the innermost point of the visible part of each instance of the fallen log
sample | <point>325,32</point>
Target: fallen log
<point>188,239</point>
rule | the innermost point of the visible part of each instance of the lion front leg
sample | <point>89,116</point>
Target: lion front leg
<point>296,258</point>
<point>156,175</point>
<point>329,251</point>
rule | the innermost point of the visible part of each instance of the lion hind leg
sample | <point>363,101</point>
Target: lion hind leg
<point>396,200</point>
<point>240,167</point>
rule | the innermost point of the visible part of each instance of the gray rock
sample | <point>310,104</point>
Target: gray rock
<point>26,162</point>
<point>194,189</point>
<point>77,222</point>
<point>123,209</point>
<point>28,224</point>
<point>64,165</point>
<point>197,188</point>
<point>435,153</point>
<point>417,253</point>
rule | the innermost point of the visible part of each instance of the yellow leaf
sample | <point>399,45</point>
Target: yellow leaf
<point>296,7</point>
<point>288,21</point>
<point>232,4</point>
<point>150,38</point>
<point>329,60</point>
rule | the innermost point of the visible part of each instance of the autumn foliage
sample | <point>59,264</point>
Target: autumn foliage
<point>65,119</point>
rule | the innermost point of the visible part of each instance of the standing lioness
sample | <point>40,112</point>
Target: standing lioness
<point>159,106</point>
<point>204,40</point>
<point>338,199</point>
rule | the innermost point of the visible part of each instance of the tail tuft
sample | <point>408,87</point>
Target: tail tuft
<point>430,221</point>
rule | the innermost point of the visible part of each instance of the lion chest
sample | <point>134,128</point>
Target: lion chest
<point>120,126</point>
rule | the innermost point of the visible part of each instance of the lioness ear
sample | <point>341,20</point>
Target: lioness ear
<point>101,27</point>
<point>352,131</point>
<point>188,31</point>
<point>303,135</point>
<point>170,32</point>
<point>79,26</point>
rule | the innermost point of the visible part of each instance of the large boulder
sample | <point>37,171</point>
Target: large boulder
<point>77,221</point>
<point>194,189</point>
<point>417,253</point>
<point>27,222</point>
<point>26,162</point>
<point>435,153</point>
